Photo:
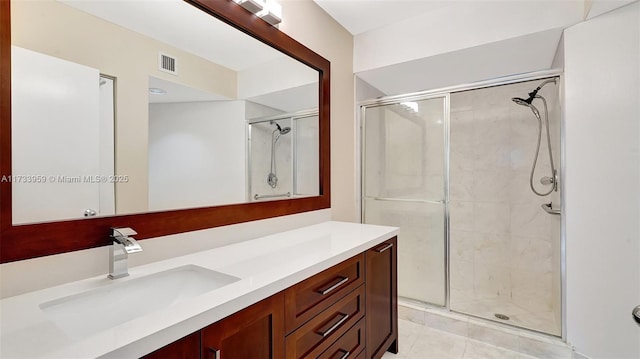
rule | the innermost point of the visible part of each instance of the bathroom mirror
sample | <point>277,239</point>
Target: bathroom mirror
<point>183,104</point>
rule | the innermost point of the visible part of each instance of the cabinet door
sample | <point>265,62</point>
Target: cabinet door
<point>381,299</point>
<point>256,332</point>
<point>185,348</point>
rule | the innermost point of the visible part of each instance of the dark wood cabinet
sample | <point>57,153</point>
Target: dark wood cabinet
<point>185,348</point>
<point>349,345</point>
<point>382,303</point>
<point>347,311</point>
<point>256,332</point>
<point>319,333</point>
<point>308,298</point>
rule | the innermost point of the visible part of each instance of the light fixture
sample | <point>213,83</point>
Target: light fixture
<point>268,10</point>
<point>272,12</point>
<point>413,106</point>
<point>157,91</point>
<point>255,6</point>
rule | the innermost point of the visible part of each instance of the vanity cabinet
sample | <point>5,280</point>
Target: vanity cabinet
<point>256,332</point>
<point>348,311</point>
<point>185,348</point>
<point>310,297</point>
<point>382,299</point>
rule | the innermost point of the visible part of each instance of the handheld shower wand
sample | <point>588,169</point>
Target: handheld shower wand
<point>272,178</point>
<point>547,180</point>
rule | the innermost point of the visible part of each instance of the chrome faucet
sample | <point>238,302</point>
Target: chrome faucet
<point>122,246</point>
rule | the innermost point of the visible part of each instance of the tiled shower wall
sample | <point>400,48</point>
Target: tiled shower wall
<point>505,250</point>
<point>260,163</point>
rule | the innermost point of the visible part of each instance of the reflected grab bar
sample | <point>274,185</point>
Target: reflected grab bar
<point>548,207</point>
<point>257,196</point>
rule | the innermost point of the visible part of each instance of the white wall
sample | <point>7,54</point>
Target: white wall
<point>196,154</point>
<point>460,26</point>
<point>602,68</point>
<point>309,24</point>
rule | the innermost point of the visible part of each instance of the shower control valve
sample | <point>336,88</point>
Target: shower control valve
<point>547,181</point>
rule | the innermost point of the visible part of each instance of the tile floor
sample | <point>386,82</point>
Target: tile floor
<point>543,321</point>
<point>421,342</point>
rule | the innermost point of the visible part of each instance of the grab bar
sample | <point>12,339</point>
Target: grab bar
<point>548,207</point>
<point>257,196</point>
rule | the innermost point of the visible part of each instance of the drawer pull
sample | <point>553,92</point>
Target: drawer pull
<point>335,326</point>
<point>345,354</point>
<point>214,353</point>
<point>388,245</point>
<point>333,285</point>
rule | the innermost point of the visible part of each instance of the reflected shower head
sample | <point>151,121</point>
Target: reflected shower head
<point>283,131</point>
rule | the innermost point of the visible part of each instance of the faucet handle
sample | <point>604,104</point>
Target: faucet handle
<point>122,236</point>
<point>122,232</point>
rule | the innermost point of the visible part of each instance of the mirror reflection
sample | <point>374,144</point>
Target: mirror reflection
<point>123,107</point>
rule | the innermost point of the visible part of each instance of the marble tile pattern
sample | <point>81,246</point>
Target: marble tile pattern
<point>437,334</point>
<point>505,250</point>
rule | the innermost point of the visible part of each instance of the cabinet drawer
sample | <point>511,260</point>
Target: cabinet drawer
<point>348,345</point>
<point>306,299</point>
<point>315,337</point>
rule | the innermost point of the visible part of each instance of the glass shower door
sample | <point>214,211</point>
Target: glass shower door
<point>404,186</point>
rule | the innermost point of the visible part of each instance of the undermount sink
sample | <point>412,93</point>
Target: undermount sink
<point>90,312</point>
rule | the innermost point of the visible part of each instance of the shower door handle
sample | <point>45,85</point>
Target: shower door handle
<point>636,314</point>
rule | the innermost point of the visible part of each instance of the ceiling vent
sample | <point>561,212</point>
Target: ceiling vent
<point>167,63</point>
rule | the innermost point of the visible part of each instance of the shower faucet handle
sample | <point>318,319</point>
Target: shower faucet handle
<point>547,181</point>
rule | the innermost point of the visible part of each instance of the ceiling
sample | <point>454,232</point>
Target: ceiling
<point>173,21</point>
<point>358,16</point>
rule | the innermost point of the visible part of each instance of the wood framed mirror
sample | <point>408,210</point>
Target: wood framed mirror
<point>24,241</point>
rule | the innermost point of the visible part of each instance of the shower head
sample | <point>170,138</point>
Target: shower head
<point>533,94</point>
<point>283,131</point>
<point>527,103</point>
<point>521,101</point>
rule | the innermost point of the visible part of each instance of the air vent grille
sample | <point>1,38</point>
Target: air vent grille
<point>167,63</point>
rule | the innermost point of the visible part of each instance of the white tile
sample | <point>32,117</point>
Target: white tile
<point>531,254</point>
<point>432,343</point>
<point>411,315</point>
<point>493,336</point>
<point>461,185</point>
<point>541,321</point>
<point>447,324</point>
<point>529,220</point>
<point>461,215</point>
<point>462,245</point>
<point>491,218</point>
<point>492,249</point>
<point>491,186</point>
<point>461,281</point>
<point>479,350</point>
<point>491,281</point>
<point>542,349</point>
<point>532,290</point>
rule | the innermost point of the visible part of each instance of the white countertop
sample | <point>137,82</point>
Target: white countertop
<point>264,265</point>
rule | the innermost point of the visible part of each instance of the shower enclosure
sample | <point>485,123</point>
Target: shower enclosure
<point>283,156</point>
<point>453,170</point>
